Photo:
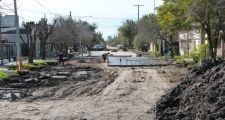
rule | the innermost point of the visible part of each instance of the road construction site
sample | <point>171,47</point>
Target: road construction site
<point>87,90</point>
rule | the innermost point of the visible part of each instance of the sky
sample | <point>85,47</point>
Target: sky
<point>107,14</point>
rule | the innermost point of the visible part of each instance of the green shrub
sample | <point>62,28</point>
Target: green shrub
<point>200,53</point>
<point>179,59</point>
<point>3,75</point>
<point>40,63</point>
<point>11,67</point>
<point>204,50</point>
<point>157,54</point>
<point>196,54</point>
<point>34,65</point>
<point>29,66</point>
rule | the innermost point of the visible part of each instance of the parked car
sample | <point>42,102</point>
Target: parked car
<point>100,47</point>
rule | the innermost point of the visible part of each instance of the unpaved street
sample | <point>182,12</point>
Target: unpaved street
<point>131,96</point>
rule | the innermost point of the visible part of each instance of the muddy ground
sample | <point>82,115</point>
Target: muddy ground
<point>87,92</point>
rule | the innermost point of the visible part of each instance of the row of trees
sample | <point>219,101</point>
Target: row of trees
<point>135,34</point>
<point>62,34</point>
<point>174,16</point>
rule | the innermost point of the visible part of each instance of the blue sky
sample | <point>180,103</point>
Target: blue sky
<point>107,14</point>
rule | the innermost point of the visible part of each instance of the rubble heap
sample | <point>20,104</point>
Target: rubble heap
<point>200,95</point>
<point>56,83</point>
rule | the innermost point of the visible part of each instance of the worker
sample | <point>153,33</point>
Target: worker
<point>61,60</point>
<point>104,56</point>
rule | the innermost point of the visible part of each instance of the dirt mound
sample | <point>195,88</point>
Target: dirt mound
<point>200,95</point>
<point>56,83</point>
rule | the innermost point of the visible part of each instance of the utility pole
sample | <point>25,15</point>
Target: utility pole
<point>17,32</point>
<point>154,7</point>
<point>1,43</point>
<point>138,6</point>
<point>70,15</point>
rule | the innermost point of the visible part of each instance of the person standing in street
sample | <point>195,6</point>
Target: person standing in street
<point>166,52</point>
<point>61,55</point>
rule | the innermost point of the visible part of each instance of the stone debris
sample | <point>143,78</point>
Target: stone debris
<point>56,83</point>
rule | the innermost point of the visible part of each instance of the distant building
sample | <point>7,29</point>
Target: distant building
<point>9,34</point>
<point>189,40</point>
<point>8,21</point>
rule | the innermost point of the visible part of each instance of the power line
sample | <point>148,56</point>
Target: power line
<point>21,4</point>
<point>46,8</point>
<point>110,18</point>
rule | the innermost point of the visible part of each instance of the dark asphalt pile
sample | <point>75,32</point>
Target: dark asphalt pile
<point>200,95</point>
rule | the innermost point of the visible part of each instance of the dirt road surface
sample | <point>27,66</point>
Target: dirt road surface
<point>131,96</point>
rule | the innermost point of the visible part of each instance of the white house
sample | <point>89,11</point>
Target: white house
<point>189,40</point>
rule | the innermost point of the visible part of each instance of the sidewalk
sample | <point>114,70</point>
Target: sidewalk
<point>7,63</point>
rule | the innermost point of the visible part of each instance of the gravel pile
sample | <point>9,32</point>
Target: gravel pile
<point>200,95</point>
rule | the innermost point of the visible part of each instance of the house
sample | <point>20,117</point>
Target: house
<point>9,35</point>
<point>188,40</point>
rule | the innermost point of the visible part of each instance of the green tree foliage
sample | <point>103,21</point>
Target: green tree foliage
<point>98,39</point>
<point>141,42</point>
<point>147,31</point>
<point>127,33</point>
<point>146,27</point>
<point>172,17</point>
<point>210,14</point>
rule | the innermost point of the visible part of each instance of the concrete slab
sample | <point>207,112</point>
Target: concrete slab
<point>118,53</point>
<point>133,61</point>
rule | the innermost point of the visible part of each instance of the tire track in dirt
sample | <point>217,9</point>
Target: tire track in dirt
<point>131,96</point>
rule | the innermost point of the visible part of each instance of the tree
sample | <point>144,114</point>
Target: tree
<point>64,34</point>
<point>113,40</point>
<point>210,14</point>
<point>43,32</point>
<point>98,39</point>
<point>172,18</point>
<point>31,33</point>
<point>85,35</point>
<point>68,32</point>
<point>127,32</point>
<point>148,28</point>
<point>141,42</point>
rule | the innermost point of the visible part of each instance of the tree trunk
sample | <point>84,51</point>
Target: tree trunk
<point>212,44</point>
<point>211,51</point>
<point>202,36</point>
<point>161,48</point>
<point>171,46</point>
<point>31,51</point>
<point>43,49</point>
